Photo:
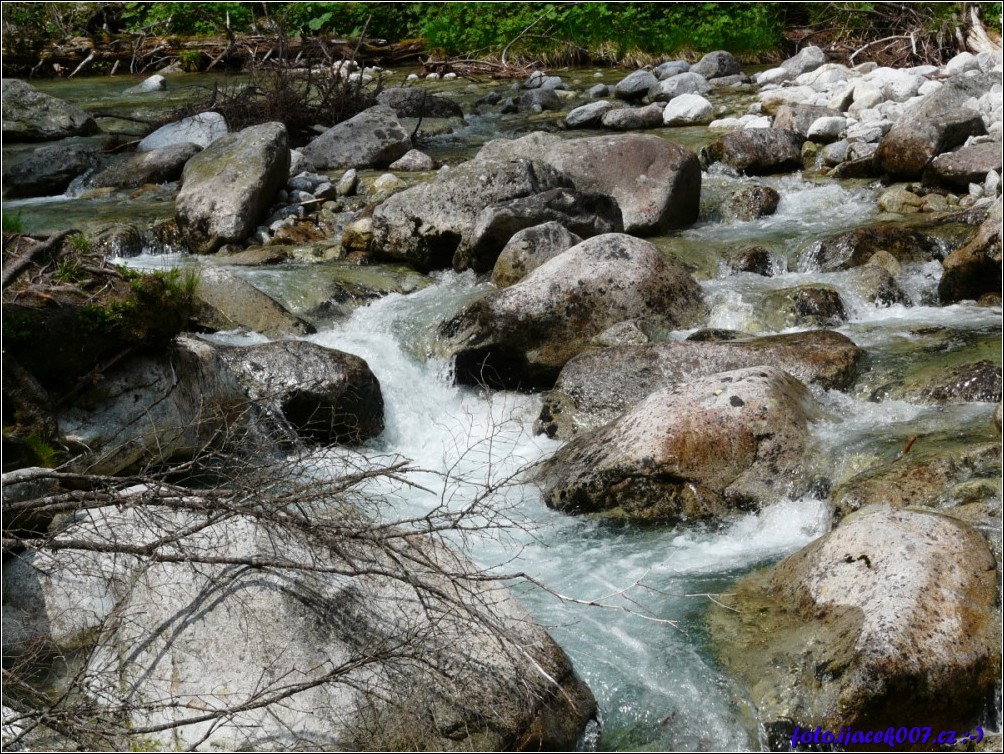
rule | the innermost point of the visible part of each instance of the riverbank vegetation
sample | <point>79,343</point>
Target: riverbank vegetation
<point>66,38</point>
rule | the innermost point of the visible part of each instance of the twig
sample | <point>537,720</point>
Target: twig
<point>83,63</point>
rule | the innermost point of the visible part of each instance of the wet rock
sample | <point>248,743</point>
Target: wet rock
<point>523,334</point>
<point>974,269</point>
<point>530,248</point>
<point>228,302</point>
<point>900,200</point>
<point>635,86</point>
<point>414,102</point>
<point>120,240</point>
<point>598,386</point>
<point>934,125</point>
<point>599,90</point>
<point>934,478</point>
<point>804,306</point>
<point>202,130</point>
<point>372,139</point>
<point>588,116</point>
<point>48,170</point>
<point>755,259</point>
<point>30,115</point>
<point>799,118</point>
<point>656,183</point>
<point>155,166</point>
<point>891,612</point>
<point>424,225</point>
<point>715,64</point>
<point>967,164</point>
<point>509,683</point>
<point>683,83</point>
<point>695,450</point>
<point>977,381</point>
<point>538,100</point>
<point>759,151</point>
<point>631,118</point>
<point>687,110</point>
<point>585,215</point>
<point>847,249</point>
<point>327,396</point>
<point>878,286</point>
<point>228,187</point>
<point>751,202</point>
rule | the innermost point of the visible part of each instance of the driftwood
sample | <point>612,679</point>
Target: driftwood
<point>141,53</point>
<point>13,269</point>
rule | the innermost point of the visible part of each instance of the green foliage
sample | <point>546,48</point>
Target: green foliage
<point>190,60</point>
<point>44,453</point>
<point>68,270</point>
<point>189,18</point>
<point>12,222</point>
<point>80,243</point>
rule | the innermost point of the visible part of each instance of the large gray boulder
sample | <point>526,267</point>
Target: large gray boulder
<point>751,202</point>
<point>297,626</point>
<point>799,118</point>
<point>936,124</point>
<point>414,102</point>
<point>538,100</point>
<point>586,215</point>
<point>156,166</point>
<point>589,115</point>
<point>892,612</point>
<point>228,187</point>
<point>597,386</point>
<point>529,249</point>
<point>692,451</point>
<point>808,59</point>
<point>372,139</point>
<point>965,165</point>
<point>631,118</point>
<point>30,115</point>
<point>424,225</point>
<point>522,335</point>
<point>225,301</point>
<point>635,85</point>
<point>717,64</point>
<point>852,248</point>
<point>326,396</point>
<point>683,83</point>
<point>48,170</point>
<point>201,129</point>
<point>657,184</point>
<point>757,151</point>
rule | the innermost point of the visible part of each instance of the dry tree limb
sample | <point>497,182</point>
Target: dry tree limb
<point>16,267</point>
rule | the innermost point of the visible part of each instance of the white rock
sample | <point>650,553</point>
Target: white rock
<point>870,131</point>
<point>929,87</point>
<point>449,76</point>
<point>411,77</point>
<point>756,121</point>
<point>819,79</point>
<point>202,129</point>
<point>827,128</point>
<point>774,76</point>
<point>687,109</point>
<point>964,61</point>
<point>432,77</point>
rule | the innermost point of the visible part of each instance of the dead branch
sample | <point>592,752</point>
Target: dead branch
<point>16,267</point>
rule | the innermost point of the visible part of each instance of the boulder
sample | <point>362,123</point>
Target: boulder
<point>228,302</point>
<point>413,161</point>
<point>687,110</point>
<point>852,248</point>
<point>635,86</point>
<point>892,612</point>
<point>48,170</point>
<point>933,125</point>
<point>155,83</point>
<point>716,64</point>
<point>528,249</point>
<point>799,118</point>
<point>585,215</point>
<point>522,335</point>
<point>155,166</point>
<point>372,139</point>
<point>202,130</point>
<point>750,202</point>
<point>538,100</point>
<point>423,225</point>
<point>327,396</point>
<point>598,386</point>
<point>632,118</point>
<point>656,183</point>
<point>757,151</point>
<point>414,102</point>
<point>316,629</point>
<point>30,115</point>
<point>684,83</point>
<point>588,116</point>
<point>965,165</point>
<point>692,451</point>
<point>827,129</point>
<point>754,259</point>
<point>228,187</point>
<point>974,269</point>
<point>772,99</point>
<point>670,68</point>
<point>149,410</point>
<point>808,59</point>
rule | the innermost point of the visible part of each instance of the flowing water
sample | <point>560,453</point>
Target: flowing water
<point>628,604</point>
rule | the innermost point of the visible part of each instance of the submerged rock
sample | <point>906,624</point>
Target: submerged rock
<point>228,187</point>
<point>228,302</point>
<point>30,115</point>
<point>696,450</point>
<point>522,335</point>
<point>598,386</point>
<point>804,306</point>
<point>892,612</point>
